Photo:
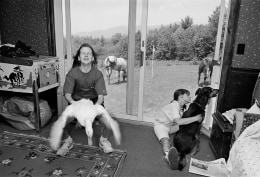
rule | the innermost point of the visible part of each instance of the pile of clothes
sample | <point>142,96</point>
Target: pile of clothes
<point>20,49</point>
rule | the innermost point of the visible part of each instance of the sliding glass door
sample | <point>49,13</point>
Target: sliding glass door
<point>160,58</point>
<point>115,29</point>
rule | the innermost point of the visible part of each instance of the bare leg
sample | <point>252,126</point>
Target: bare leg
<point>171,153</point>
<point>165,145</point>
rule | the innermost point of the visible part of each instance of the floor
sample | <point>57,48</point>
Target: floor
<point>144,154</point>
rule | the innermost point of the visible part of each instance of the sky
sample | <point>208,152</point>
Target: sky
<point>90,15</point>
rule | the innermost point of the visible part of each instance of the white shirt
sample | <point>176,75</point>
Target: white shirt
<point>168,113</point>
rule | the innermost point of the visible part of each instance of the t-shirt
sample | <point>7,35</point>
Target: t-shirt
<point>168,113</point>
<point>84,85</point>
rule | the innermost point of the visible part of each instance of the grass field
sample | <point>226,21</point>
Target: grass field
<point>161,81</point>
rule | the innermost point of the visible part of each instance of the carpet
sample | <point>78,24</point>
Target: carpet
<point>28,156</point>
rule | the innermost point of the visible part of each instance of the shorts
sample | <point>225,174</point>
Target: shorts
<point>161,131</point>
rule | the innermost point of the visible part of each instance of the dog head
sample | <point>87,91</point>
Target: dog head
<point>110,61</point>
<point>204,94</point>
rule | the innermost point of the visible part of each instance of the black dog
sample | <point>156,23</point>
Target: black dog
<point>187,138</point>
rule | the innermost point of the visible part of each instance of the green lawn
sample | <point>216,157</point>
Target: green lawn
<point>160,83</point>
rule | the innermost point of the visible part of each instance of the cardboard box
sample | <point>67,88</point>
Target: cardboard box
<point>18,74</point>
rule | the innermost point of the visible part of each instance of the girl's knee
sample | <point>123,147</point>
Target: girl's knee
<point>164,140</point>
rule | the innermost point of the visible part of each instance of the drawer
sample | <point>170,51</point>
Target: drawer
<point>47,74</point>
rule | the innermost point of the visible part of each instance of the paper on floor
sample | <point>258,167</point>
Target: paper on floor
<point>216,168</point>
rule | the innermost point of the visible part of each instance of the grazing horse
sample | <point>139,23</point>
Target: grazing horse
<point>117,64</point>
<point>205,67</point>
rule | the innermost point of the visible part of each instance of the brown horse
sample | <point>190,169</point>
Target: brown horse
<point>205,67</point>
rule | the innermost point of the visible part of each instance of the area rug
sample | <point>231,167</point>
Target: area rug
<point>29,156</point>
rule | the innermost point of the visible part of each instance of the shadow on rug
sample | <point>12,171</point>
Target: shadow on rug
<point>25,156</point>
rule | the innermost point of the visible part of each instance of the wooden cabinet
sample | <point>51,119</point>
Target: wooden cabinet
<point>221,135</point>
<point>29,75</point>
<point>238,89</point>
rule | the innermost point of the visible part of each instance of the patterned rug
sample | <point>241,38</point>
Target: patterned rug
<point>29,156</point>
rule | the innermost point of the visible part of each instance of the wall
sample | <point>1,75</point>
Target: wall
<point>248,33</point>
<point>240,71</point>
<point>25,20</point>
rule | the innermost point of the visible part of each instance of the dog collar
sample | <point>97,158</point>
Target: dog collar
<point>199,105</point>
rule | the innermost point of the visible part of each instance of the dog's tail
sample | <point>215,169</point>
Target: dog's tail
<point>182,161</point>
<point>57,129</point>
<point>110,123</point>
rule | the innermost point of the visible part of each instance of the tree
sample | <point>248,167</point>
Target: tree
<point>213,21</point>
<point>203,41</point>
<point>213,25</point>
<point>102,41</point>
<point>184,43</point>
<point>122,47</point>
<point>164,44</point>
<point>152,40</point>
<point>187,22</point>
<point>116,38</point>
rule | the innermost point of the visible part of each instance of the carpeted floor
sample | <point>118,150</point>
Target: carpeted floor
<point>144,154</point>
<point>26,155</point>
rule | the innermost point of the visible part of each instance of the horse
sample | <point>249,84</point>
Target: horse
<point>205,67</point>
<point>13,78</point>
<point>117,64</point>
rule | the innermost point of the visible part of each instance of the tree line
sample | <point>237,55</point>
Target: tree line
<point>182,41</point>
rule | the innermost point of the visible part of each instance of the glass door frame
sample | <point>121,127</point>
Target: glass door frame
<point>212,105</point>
<point>143,58</point>
<point>58,16</point>
<point>61,9</point>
